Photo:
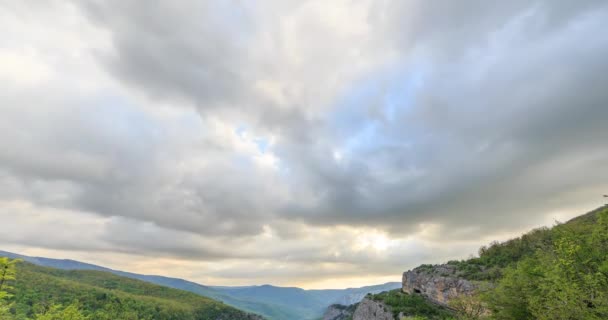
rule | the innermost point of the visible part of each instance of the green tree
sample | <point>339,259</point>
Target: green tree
<point>568,280</point>
<point>468,307</point>
<point>57,312</point>
<point>8,274</point>
<point>509,300</point>
<point>574,284</point>
<point>5,313</point>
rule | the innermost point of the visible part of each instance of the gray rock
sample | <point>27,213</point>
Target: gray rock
<point>438,283</point>
<point>338,312</point>
<point>372,310</point>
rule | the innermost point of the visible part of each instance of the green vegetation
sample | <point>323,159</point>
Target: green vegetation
<point>48,294</point>
<point>277,303</point>
<point>7,276</point>
<point>413,306</point>
<point>495,258</point>
<point>557,273</point>
<point>566,279</point>
<point>57,312</point>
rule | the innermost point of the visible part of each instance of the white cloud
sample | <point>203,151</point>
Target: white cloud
<point>351,139</point>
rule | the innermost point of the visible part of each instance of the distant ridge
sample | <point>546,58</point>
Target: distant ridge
<point>272,302</point>
<point>103,295</point>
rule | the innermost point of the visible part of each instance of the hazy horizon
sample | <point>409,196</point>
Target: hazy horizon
<point>159,268</point>
<point>296,143</point>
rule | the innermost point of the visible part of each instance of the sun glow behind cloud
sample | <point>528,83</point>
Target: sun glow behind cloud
<point>375,240</point>
<point>307,143</point>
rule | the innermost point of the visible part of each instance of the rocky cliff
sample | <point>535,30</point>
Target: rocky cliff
<point>438,283</point>
<point>369,309</point>
<point>389,305</point>
<point>339,312</point>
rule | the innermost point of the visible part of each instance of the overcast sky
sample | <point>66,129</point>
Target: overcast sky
<point>308,143</point>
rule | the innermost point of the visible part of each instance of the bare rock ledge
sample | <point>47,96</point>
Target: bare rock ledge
<point>437,283</point>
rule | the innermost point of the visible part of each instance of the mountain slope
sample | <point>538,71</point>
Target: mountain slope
<point>300,303</point>
<point>102,295</point>
<point>267,310</point>
<point>306,304</point>
<point>547,273</point>
<point>276,303</point>
<point>66,264</point>
<point>351,296</point>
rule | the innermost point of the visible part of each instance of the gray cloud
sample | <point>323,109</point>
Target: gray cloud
<point>203,56</point>
<point>212,123</point>
<point>485,123</point>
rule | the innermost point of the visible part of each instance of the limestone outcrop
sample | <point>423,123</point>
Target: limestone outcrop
<point>438,283</point>
<point>338,312</point>
<point>369,309</point>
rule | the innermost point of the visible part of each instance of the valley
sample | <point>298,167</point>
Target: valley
<point>543,274</point>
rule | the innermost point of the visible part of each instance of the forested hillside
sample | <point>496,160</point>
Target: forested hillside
<point>560,273</point>
<point>548,273</point>
<point>34,292</point>
<point>272,302</point>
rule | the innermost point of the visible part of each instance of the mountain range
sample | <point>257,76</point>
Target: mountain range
<point>45,293</point>
<point>272,302</point>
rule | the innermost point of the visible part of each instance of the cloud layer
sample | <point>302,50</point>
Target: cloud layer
<point>320,142</point>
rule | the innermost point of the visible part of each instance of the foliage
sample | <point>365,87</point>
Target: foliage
<point>493,259</point>
<point>504,254</point>
<point>566,280</point>
<point>7,276</point>
<point>412,305</point>
<point>57,312</point>
<point>548,273</point>
<point>42,293</point>
<point>5,313</point>
<point>468,307</point>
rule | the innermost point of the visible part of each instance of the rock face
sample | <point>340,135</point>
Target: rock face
<point>338,312</point>
<point>437,283</point>
<point>372,310</point>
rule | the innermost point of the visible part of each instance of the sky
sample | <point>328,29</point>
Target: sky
<point>320,144</point>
